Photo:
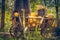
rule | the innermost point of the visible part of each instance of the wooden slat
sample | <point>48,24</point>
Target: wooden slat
<point>6,34</point>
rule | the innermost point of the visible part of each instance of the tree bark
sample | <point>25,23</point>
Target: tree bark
<point>57,16</point>
<point>44,2</point>
<point>18,5</point>
<point>26,6</point>
<point>3,15</point>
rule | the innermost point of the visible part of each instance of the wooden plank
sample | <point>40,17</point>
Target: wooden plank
<point>6,34</point>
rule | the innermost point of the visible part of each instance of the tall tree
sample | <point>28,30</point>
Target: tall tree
<point>57,30</point>
<point>56,6</point>
<point>3,15</point>
<point>44,2</point>
<point>18,6</point>
<point>26,4</point>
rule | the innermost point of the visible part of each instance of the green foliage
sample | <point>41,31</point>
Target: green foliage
<point>33,3</point>
<point>7,21</point>
<point>51,10</point>
<point>8,10</point>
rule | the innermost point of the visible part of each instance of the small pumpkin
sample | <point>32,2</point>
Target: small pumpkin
<point>16,14</point>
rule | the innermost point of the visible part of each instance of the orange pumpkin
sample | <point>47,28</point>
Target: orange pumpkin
<point>16,14</point>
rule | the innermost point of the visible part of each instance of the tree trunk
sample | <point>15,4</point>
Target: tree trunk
<point>57,16</point>
<point>26,7</point>
<point>44,2</point>
<point>18,5</point>
<point>22,4</point>
<point>17,27</point>
<point>3,15</point>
